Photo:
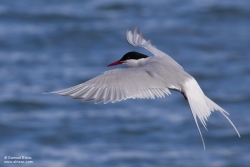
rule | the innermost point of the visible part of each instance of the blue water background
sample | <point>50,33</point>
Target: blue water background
<point>51,45</point>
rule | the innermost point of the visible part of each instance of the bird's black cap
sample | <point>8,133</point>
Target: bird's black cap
<point>133,55</point>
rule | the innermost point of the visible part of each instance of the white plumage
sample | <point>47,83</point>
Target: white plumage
<point>146,78</point>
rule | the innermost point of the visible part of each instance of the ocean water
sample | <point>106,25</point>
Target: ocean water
<point>51,45</point>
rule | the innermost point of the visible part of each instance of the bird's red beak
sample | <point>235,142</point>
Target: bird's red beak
<point>115,63</point>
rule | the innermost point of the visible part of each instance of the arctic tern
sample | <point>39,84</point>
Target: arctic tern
<point>146,77</point>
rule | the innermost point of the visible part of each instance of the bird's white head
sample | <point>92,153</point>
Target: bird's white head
<point>131,59</point>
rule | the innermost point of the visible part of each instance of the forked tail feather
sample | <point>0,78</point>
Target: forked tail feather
<point>201,106</point>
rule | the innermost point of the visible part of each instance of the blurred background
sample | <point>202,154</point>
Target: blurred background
<point>51,45</point>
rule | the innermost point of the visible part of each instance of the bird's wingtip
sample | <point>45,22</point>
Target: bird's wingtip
<point>46,92</point>
<point>128,29</point>
<point>137,29</point>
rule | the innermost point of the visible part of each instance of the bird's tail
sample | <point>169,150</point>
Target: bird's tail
<point>201,106</point>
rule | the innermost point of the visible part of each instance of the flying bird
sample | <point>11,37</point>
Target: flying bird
<point>147,77</point>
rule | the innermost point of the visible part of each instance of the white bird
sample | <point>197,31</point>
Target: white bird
<point>146,77</point>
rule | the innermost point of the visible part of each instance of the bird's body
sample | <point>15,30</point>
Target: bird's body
<point>146,77</point>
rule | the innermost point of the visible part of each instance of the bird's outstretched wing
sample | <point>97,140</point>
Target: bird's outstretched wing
<point>138,40</point>
<point>149,81</point>
<point>119,84</point>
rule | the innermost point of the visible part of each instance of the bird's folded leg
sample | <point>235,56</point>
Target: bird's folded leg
<point>184,95</point>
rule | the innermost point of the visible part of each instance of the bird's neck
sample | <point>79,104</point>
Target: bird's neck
<point>136,63</point>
